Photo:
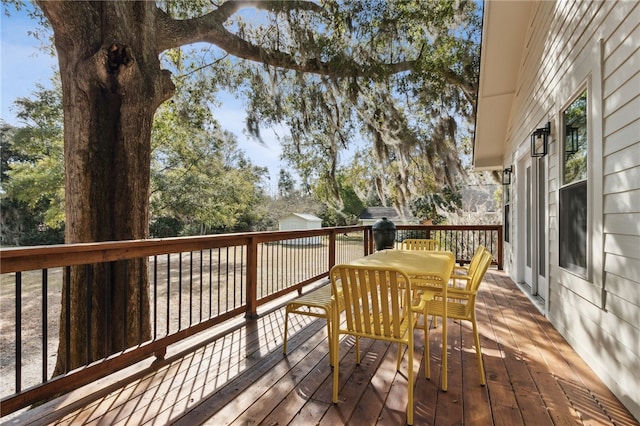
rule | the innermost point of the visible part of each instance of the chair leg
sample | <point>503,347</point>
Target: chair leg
<point>335,348</point>
<point>330,339</point>
<point>445,354</point>
<point>410,384</point>
<point>427,345</point>
<point>286,326</point>
<point>476,337</point>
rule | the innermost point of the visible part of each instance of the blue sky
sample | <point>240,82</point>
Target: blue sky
<point>23,65</point>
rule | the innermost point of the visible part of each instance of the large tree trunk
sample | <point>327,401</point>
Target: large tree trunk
<point>112,84</point>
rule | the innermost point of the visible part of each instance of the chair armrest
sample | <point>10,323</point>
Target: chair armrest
<point>418,304</point>
<point>459,291</point>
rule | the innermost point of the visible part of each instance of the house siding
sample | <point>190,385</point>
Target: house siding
<point>571,46</point>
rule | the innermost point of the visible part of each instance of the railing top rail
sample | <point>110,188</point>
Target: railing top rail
<point>53,256</point>
<point>450,227</point>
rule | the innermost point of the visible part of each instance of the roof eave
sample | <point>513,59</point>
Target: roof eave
<point>505,25</point>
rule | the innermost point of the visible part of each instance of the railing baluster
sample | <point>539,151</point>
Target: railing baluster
<point>235,276</point>
<point>218,281</point>
<point>210,282</point>
<point>108,290</point>
<point>88,272</point>
<point>67,328</point>
<point>226,286</point>
<point>18,332</point>
<point>200,273</point>
<point>190,288</point>
<point>180,291</point>
<point>125,298</point>
<point>253,294</point>
<point>168,293</point>
<point>45,324</point>
<point>140,298</point>
<point>155,297</point>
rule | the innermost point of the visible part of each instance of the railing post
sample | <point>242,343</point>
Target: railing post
<point>252,279</point>
<point>332,249</point>
<point>368,241</point>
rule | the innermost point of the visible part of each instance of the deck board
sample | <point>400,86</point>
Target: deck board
<point>241,377</point>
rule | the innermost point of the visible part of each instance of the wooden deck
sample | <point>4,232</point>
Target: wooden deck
<point>240,377</point>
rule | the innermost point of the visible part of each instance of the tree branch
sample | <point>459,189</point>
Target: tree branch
<point>210,28</point>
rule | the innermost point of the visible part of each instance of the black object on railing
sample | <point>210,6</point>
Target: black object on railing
<point>384,234</point>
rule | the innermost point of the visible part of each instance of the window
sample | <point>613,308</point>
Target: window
<point>573,192</point>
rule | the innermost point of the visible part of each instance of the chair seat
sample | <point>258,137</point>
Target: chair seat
<point>312,303</point>
<point>317,303</point>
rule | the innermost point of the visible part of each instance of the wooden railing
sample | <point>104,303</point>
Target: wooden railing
<point>195,283</point>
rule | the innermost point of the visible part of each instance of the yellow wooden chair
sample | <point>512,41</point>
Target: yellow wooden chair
<point>373,308</point>
<point>316,303</point>
<point>420,244</point>
<point>460,305</point>
<point>464,273</point>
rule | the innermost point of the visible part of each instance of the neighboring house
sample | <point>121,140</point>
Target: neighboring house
<point>479,206</point>
<point>572,216</point>
<point>371,215</point>
<point>296,221</point>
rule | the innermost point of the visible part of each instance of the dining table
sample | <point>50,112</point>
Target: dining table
<point>429,272</point>
<point>425,267</point>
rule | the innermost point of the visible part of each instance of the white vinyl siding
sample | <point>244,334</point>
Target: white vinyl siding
<point>570,46</point>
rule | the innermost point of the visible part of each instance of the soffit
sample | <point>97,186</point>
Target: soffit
<point>503,36</point>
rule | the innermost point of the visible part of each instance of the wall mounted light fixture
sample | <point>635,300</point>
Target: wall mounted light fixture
<point>571,143</point>
<point>506,175</point>
<point>540,140</point>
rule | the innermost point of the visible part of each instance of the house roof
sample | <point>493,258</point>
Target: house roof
<point>389,212</point>
<point>305,216</point>
<point>504,28</point>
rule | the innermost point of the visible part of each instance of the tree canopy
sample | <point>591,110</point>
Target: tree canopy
<point>400,75</point>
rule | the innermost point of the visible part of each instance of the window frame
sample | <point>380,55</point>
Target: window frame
<point>574,185</point>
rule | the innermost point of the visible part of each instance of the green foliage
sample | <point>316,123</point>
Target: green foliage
<point>405,117</point>
<point>399,77</point>
<point>286,184</point>
<point>199,177</point>
<point>32,168</point>
<point>429,206</point>
<point>201,182</point>
<point>344,213</point>
<point>575,157</point>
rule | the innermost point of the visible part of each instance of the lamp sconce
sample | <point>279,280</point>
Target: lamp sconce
<point>506,175</point>
<point>540,140</point>
<point>571,144</point>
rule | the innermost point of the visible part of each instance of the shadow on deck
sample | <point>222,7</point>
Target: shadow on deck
<point>239,376</point>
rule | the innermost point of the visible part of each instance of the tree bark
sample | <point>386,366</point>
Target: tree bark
<point>112,84</point>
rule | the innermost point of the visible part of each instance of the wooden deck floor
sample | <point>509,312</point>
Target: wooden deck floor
<point>241,377</point>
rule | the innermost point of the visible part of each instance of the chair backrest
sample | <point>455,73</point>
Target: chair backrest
<point>480,270</point>
<point>372,299</point>
<point>420,244</point>
<point>475,260</point>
